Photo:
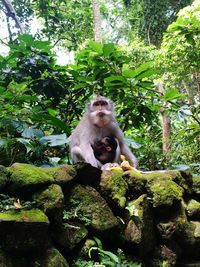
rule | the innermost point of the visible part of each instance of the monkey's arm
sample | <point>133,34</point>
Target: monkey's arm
<point>83,153</point>
<point>81,149</point>
<point>124,149</point>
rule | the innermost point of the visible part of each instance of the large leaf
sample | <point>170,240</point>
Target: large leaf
<point>114,79</point>
<point>55,140</point>
<point>131,143</point>
<point>27,143</point>
<point>108,49</point>
<point>147,73</point>
<point>128,73</point>
<point>96,46</point>
<point>27,38</point>
<point>172,94</point>
<point>30,132</point>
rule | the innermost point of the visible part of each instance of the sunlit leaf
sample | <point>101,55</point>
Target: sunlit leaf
<point>96,46</point>
<point>108,49</point>
<point>134,73</point>
<point>55,140</point>
<point>173,94</point>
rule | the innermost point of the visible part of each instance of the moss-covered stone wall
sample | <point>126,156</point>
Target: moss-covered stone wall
<point>80,216</point>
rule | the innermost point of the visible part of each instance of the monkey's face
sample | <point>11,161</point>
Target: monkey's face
<point>101,111</point>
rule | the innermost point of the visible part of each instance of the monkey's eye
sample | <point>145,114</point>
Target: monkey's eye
<point>100,103</point>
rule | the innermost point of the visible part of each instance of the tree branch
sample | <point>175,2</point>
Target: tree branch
<point>12,13</point>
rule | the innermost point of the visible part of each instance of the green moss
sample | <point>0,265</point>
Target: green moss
<point>176,225</point>
<point>69,235</point>
<point>193,208</point>
<point>55,259</point>
<point>23,175</point>
<point>196,185</point>
<point>164,191</point>
<point>3,176</point>
<point>33,215</point>
<point>88,203</point>
<point>140,229</point>
<point>62,174</point>
<point>136,182</point>
<point>196,229</point>
<point>115,185</point>
<point>50,199</point>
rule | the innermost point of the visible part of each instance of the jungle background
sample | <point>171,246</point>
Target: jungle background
<point>144,55</point>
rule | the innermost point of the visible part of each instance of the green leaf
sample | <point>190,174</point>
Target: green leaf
<point>96,47</point>
<point>108,49</point>
<point>128,73</point>
<point>114,79</point>
<point>26,143</point>
<point>80,85</point>
<point>28,98</point>
<point>55,140</point>
<point>27,38</point>
<point>147,73</point>
<point>52,112</point>
<point>173,94</point>
<point>29,132</point>
<point>111,255</point>
<point>42,45</point>
<point>52,121</point>
<point>99,244</point>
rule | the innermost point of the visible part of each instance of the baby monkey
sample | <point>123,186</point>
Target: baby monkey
<point>105,149</point>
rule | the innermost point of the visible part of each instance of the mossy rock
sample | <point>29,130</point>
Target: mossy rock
<point>10,259</point>
<point>24,230</point>
<point>114,187</point>
<point>85,250</point>
<point>136,182</point>
<point>62,174</point>
<point>173,225</point>
<point>140,228</point>
<point>182,178</point>
<point>28,178</point>
<point>54,258</point>
<point>51,201</point>
<point>46,258</point>
<point>3,177</point>
<point>164,255</point>
<point>193,209</point>
<point>196,185</point>
<point>189,240</point>
<point>87,203</point>
<point>69,235</point>
<point>87,174</point>
<point>164,192</point>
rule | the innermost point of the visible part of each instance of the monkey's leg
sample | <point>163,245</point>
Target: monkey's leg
<point>89,156</point>
<point>85,154</point>
<point>76,154</point>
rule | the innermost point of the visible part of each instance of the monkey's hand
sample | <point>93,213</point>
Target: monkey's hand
<point>125,165</point>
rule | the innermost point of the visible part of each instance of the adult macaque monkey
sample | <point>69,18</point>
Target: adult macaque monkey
<point>98,121</point>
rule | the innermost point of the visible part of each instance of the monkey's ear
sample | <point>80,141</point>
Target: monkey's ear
<point>111,104</point>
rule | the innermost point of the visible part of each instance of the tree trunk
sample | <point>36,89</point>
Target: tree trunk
<point>97,21</point>
<point>12,13</point>
<point>166,125</point>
